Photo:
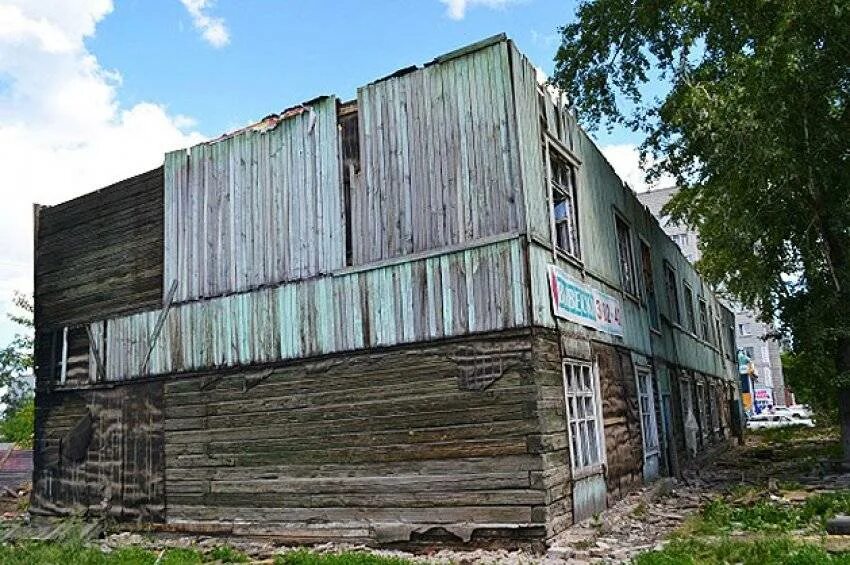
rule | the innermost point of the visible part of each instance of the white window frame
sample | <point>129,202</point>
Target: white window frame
<point>584,431</point>
<point>551,145</point>
<point>646,405</point>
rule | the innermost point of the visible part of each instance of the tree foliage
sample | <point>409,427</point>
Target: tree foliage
<point>754,124</point>
<point>16,364</point>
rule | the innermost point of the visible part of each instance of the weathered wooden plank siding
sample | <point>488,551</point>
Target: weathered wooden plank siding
<point>469,291</point>
<point>100,453</point>
<point>377,445</point>
<point>256,208</point>
<point>438,150</point>
<point>100,255</point>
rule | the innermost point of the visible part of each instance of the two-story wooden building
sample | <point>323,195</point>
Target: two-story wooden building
<point>432,312</point>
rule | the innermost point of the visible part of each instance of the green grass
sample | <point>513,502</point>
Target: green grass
<point>767,551</point>
<point>305,557</point>
<point>73,553</point>
<point>77,553</point>
<point>722,517</point>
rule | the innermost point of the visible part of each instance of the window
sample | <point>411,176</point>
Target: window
<point>731,337</point>
<point>672,294</point>
<point>703,319</point>
<point>647,412</point>
<point>680,239</point>
<point>750,352</point>
<point>710,337</point>
<point>718,339</point>
<point>584,423</point>
<point>649,284</point>
<point>563,194</point>
<point>627,259</point>
<point>743,329</point>
<point>689,308</point>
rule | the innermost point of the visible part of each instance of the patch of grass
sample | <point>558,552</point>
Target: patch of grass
<point>767,551</point>
<point>639,510</point>
<point>227,554</point>
<point>76,553</point>
<point>720,517</point>
<point>306,557</point>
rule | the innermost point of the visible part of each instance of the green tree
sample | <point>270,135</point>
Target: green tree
<point>16,364</point>
<point>753,122</point>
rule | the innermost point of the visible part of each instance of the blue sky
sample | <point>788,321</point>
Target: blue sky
<point>281,53</point>
<point>94,91</point>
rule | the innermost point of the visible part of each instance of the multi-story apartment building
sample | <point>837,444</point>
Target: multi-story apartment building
<point>430,313</point>
<point>758,340</point>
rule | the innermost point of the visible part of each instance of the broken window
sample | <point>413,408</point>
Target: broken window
<point>562,189</point>
<point>69,355</point>
<point>627,260</point>
<point>584,422</point>
<point>649,284</point>
<point>672,293</point>
<point>689,308</point>
<point>646,400</point>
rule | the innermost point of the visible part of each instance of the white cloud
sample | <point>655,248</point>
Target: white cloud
<point>62,130</point>
<point>456,9</point>
<point>213,29</point>
<point>625,159</point>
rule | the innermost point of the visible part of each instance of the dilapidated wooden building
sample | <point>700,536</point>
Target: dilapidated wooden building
<point>432,312</point>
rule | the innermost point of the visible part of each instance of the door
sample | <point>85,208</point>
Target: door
<point>649,427</point>
<point>586,438</point>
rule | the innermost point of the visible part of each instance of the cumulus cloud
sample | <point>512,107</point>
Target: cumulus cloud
<point>456,9</point>
<point>62,130</point>
<point>213,29</point>
<point>625,158</point>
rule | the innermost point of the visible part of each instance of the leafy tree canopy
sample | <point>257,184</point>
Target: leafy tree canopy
<point>16,359</point>
<point>754,125</point>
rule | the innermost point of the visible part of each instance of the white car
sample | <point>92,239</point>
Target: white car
<point>793,412</point>
<point>768,421</point>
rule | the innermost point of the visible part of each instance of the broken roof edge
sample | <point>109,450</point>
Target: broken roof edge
<point>444,58</point>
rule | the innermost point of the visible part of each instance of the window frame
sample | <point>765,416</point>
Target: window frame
<point>588,391</point>
<point>634,291</point>
<point>650,296</point>
<point>646,407</point>
<point>690,316</point>
<point>703,319</point>
<point>550,144</point>
<point>673,302</point>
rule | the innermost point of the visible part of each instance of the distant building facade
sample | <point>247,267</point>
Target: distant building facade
<point>758,340</point>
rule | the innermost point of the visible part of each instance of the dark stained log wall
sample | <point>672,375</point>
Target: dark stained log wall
<point>380,447</point>
<point>100,255</point>
<point>623,439</point>
<point>100,452</point>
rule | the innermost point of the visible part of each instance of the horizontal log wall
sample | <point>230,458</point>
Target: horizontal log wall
<point>256,208</point>
<point>100,255</point>
<point>100,453</point>
<point>371,447</point>
<point>438,157</point>
<point>469,291</point>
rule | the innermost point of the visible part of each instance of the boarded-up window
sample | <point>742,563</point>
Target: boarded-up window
<point>584,420</point>
<point>69,355</point>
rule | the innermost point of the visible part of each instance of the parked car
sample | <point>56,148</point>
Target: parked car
<point>794,412</point>
<point>769,421</point>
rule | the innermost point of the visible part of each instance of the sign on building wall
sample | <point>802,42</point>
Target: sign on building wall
<point>582,304</point>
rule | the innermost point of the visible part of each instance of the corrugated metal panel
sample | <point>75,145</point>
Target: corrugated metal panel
<point>474,290</point>
<point>256,208</point>
<point>439,161</point>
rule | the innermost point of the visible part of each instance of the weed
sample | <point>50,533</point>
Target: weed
<point>639,511</point>
<point>766,551</point>
<point>227,554</point>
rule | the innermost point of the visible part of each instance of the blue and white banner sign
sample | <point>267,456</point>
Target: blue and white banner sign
<point>582,304</point>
